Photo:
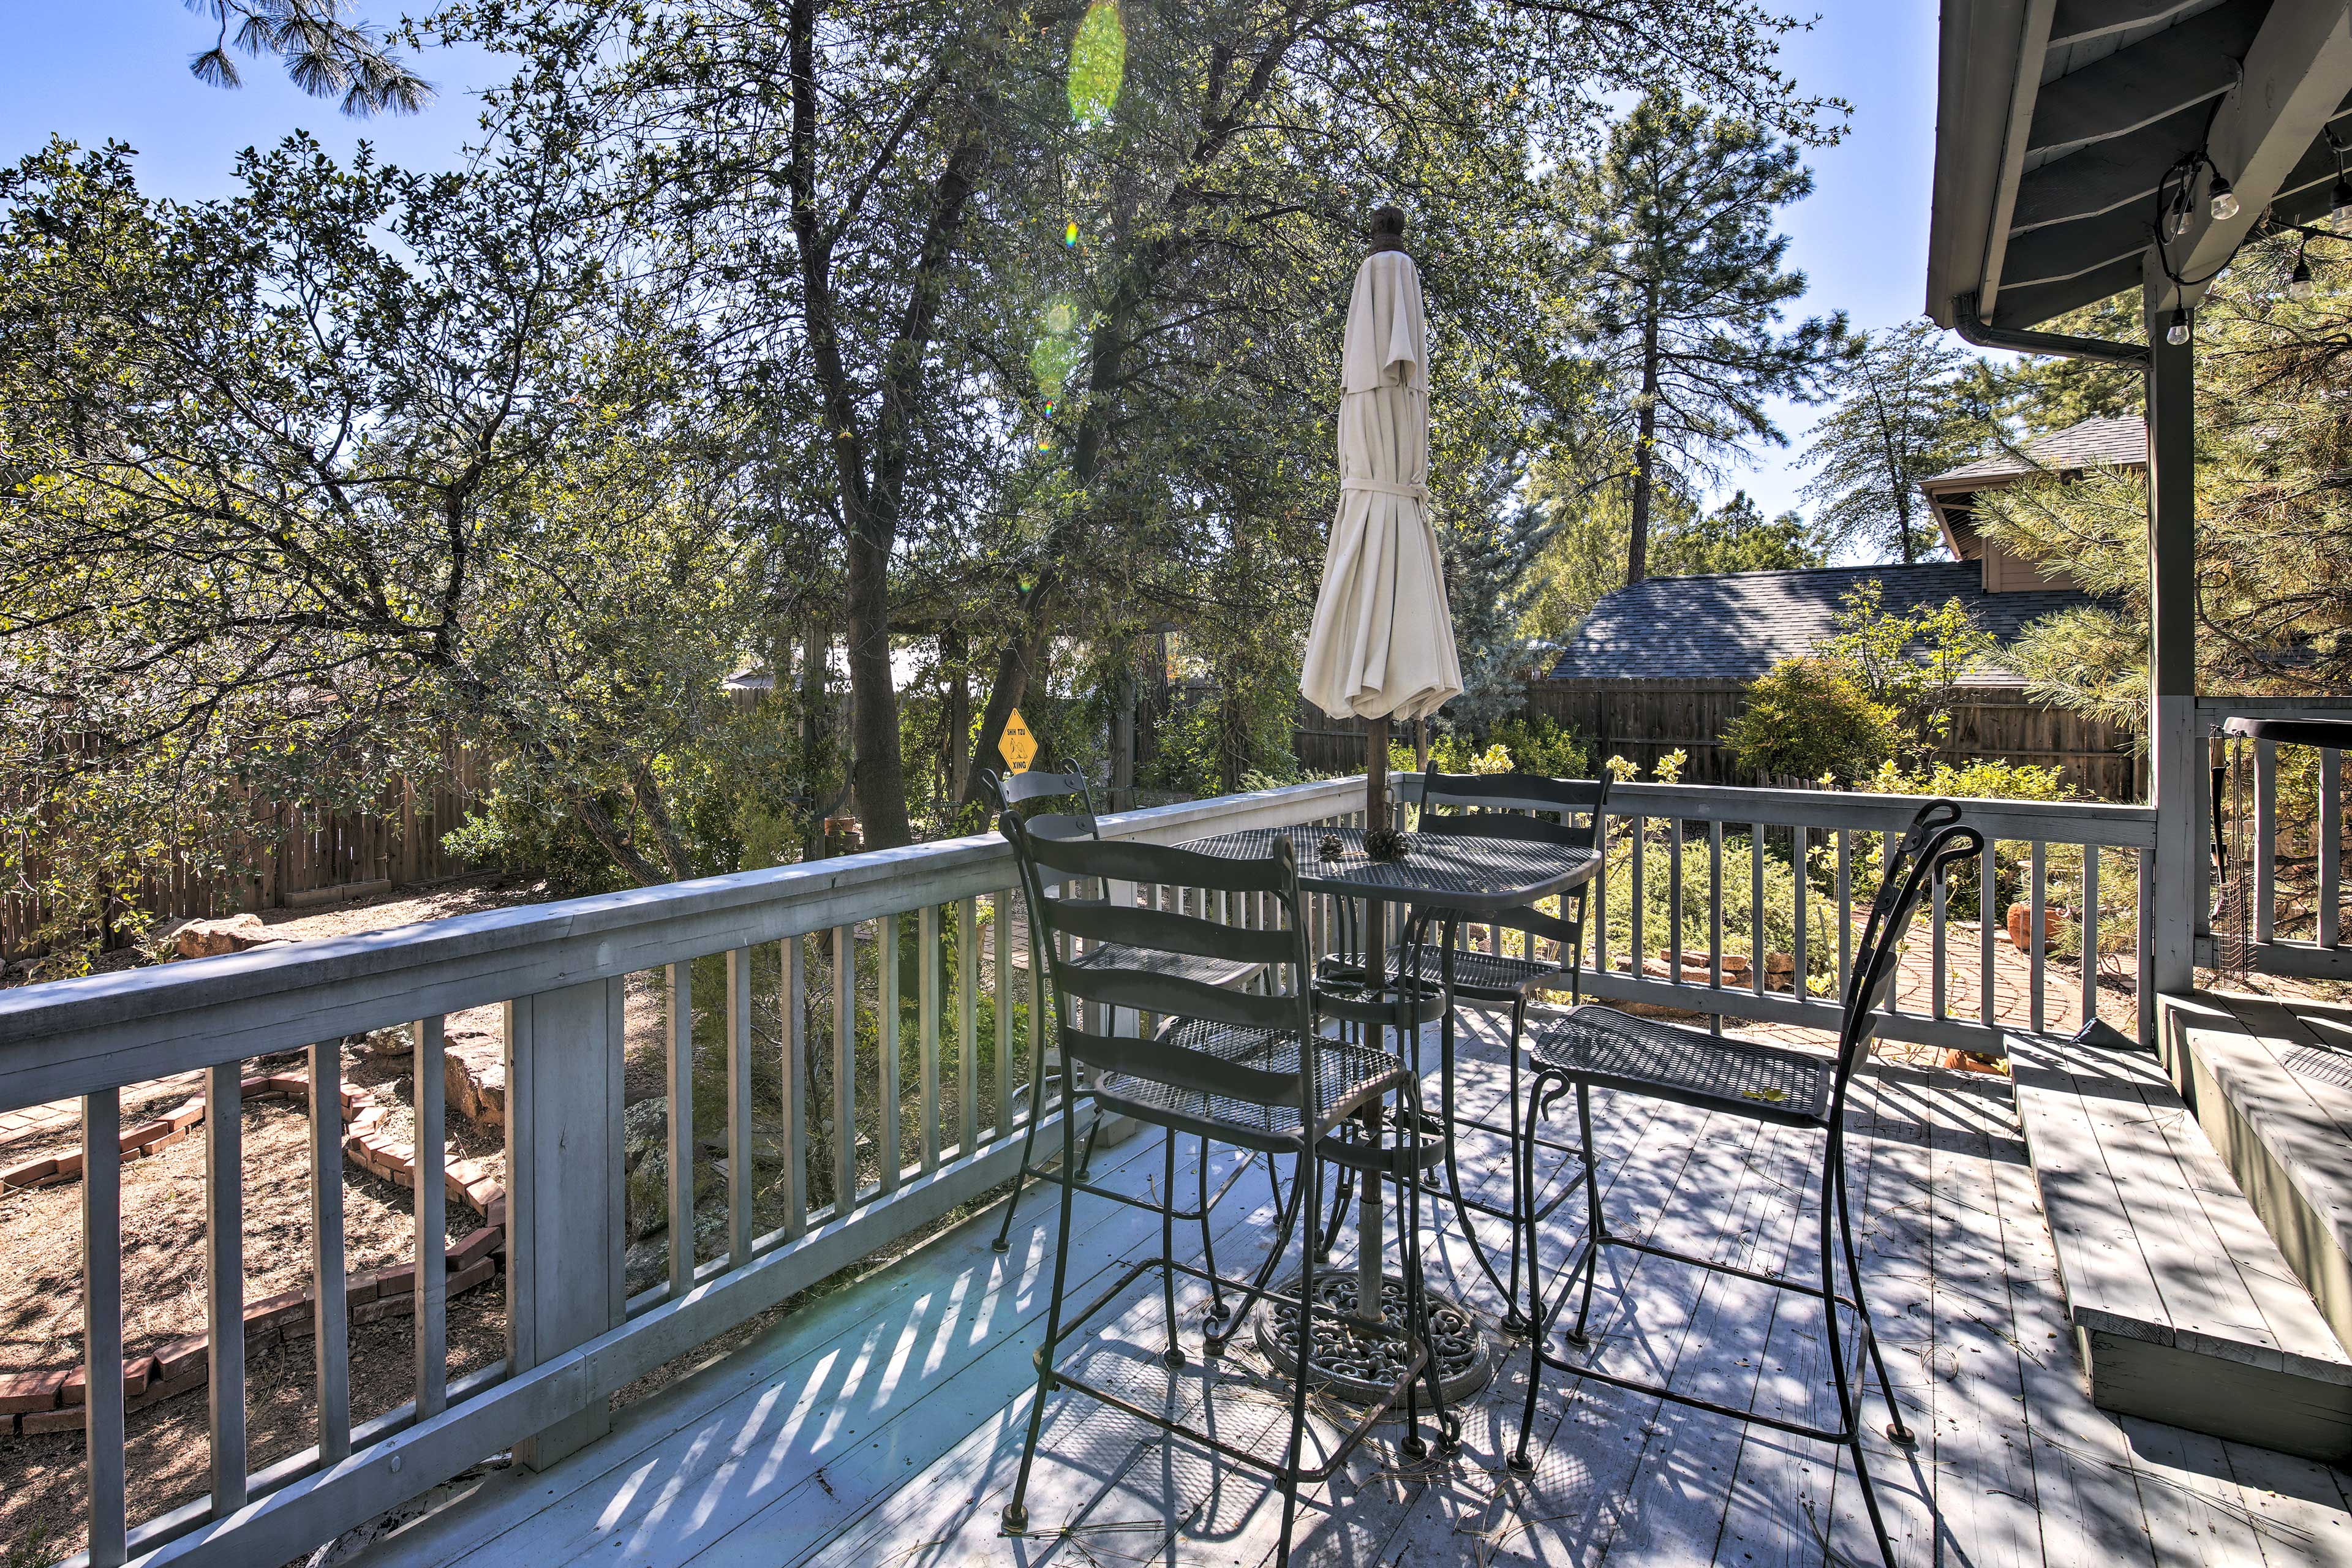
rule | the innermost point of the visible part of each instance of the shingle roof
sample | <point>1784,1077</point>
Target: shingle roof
<point>2091,444</point>
<point>1736,625</point>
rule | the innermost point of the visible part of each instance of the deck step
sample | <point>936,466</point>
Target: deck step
<point>2270,1081</point>
<point>2184,1309</point>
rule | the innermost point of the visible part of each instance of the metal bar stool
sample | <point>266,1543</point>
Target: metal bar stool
<point>1596,1047</point>
<point>1246,1069</point>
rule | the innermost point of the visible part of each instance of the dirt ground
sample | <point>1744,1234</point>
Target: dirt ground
<point>41,1477</point>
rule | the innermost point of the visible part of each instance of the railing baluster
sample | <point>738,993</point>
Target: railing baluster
<point>926,1028</point>
<point>1001,907</point>
<point>2331,845</point>
<point>1641,898</point>
<point>1601,904</point>
<point>330,1313</point>
<point>428,1093</point>
<point>1846,908</point>
<point>885,990</point>
<point>2088,925</point>
<point>844,1068</point>
<point>1756,907</point>
<point>2143,992</point>
<point>2265,837</point>
<point>224,1282</point>
<point>680,1073</point>
<point>101,1323</point>
<point>2038,901</point>
<point>966,1025</point>
<point>1800,957</point>
<point>795,1183</point>
<point>1674,900</point>
<point>1715,912</point>
<point>1988,902</point>
<point>739,1098</point>
<point>1940,895</point>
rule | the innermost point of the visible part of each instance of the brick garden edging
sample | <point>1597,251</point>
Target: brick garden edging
<point>50,1400</point>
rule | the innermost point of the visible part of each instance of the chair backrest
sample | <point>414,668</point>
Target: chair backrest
<point>1020,789</point>
<point>1142,935</point>
<point>1935,840</point>
<point>1532,808</point>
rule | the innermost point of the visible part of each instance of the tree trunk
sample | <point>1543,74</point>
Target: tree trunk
<point>954,657</point>
<point>1637,547</point>
<point>878,771</point>
<point>1122,731</point>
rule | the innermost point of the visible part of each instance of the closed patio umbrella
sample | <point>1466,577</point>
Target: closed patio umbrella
<point>1382,643</point>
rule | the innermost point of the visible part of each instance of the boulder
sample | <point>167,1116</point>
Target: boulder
<point>229,933</point>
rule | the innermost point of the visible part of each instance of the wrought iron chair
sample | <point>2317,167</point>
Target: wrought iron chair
<point>1596,1047</point>
<point>1532,808</point>
<point>1242,1068</point>
<point>1072,789</point>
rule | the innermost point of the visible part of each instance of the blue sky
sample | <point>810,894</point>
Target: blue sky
<point>96,68</point>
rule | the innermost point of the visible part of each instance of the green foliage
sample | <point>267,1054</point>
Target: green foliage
<point>1912,662</point>
<point>2273,535</point>
<point>1691,927</point>
<point>1810,718</point>
<point>1533,745</point>
<point>1899,417</point>
<point>1735,537</point>
<point>1682,290</point>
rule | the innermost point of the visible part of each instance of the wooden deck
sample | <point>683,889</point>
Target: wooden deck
<point>880,1425</point>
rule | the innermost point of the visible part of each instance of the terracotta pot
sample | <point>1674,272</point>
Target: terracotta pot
<point>2020,921</point>
<point>1963,1062</point>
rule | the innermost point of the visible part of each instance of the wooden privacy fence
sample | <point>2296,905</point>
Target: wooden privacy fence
<point>294,855</point>
<point>1642,720</point>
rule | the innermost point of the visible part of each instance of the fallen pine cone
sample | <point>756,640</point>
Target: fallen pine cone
<point>1384,844</point>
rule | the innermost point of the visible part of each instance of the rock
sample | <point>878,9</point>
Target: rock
<point>393,1042</point>
<point>230,933</point>
<point>644,1129</point>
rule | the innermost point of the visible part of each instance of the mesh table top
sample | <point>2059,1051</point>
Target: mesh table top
<point>1456,872</point>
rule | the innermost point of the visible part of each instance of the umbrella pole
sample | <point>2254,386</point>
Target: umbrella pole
<point>1370,1242</point>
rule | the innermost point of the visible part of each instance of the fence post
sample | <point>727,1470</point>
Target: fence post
<point>564,1224</point>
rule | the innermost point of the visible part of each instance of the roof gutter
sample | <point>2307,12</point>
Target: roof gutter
<point>1976,330</point>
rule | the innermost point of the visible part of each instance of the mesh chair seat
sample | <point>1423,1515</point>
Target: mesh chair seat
<point>1346,1075</point>
<point>1156,960</point>
<point>1671,1061</point>
<point>1483,974</point>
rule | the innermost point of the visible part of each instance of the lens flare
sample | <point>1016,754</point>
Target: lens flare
<point>1070,235</point>
<point>1098,64</point>
<point>1055,354</point>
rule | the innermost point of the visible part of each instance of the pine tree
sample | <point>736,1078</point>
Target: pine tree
<point>328,54</point>
<point>1897,421</point>
<point>1735,537</point>
<point>1490,549</point>
<point>1681,294</point>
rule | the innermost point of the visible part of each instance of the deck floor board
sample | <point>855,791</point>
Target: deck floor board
<point>882,1425</point>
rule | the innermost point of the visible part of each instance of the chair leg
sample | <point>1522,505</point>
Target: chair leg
<point>1016,1513</point>
<point>1310,1177</point>
<point>1416,1285</point>
<point>1522,1195</point>
<point>1343,1191</point>
<point>1454,1173</point>
<point>1174,1355</point>
<point>1849,1399</point>
<point>1596,1228</point>
<point>1003,1242</point>
<point>1521,1462</point>
<point>1217,1336</point>
<point>1208,1247</point>
<point>1896,1431</point>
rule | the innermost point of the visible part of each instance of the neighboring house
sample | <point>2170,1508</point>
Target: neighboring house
<point>1662,665</point>
<point>2093,444</point>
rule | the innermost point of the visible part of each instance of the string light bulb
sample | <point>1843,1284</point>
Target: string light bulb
<point>2178,332</point>
<point>2340,202</point>
<point>2222,200</point>
<point>2298,282</point>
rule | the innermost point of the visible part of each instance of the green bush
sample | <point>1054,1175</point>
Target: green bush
<point>1537,745</point>
<point>1809,718</point>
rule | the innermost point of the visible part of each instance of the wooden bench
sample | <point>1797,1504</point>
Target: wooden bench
<point>2184,1309</point>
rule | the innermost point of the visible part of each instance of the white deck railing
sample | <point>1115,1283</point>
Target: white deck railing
<point>574,1336</point>
<point>2278,910</point>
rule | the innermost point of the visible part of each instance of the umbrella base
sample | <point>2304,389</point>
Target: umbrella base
<point>1359,1367</point>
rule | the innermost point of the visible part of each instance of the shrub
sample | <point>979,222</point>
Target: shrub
<point>1807,718</point>
<point>1537,745</point>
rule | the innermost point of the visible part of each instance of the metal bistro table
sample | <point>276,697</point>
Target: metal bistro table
<point>1442,880</point>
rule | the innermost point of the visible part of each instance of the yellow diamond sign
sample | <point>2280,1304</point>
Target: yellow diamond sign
<point>1017,745</point>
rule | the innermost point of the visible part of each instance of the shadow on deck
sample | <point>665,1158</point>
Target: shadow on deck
<point>880,1427</point>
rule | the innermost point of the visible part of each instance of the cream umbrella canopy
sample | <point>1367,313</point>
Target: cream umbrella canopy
<point>1382,642</point>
